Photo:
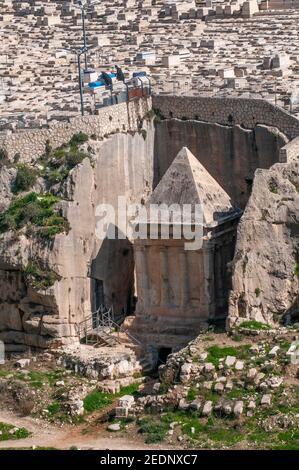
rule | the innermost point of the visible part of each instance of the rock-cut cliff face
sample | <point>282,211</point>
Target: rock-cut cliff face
<point>266,263</point>
<point>48,285</point>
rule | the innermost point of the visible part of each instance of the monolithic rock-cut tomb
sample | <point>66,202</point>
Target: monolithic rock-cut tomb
<point>180,288</point>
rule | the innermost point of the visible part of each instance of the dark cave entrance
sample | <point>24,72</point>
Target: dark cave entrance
<point>163,354</point>
<point>99,297</point>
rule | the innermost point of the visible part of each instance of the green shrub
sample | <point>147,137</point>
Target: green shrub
<point>78,139</point>
<point>273,187</point>
<point>59,153</point>
<point>36,210</point>
<point>296,270</point>
<point>158,116</point>
<point>58,163</point>
<point>54,408</point>
<point>56,176</point>
<point>254,325</point>
<point>25,178</point>
<point>38,277</point>
<point>20,433</point>
<point>257,291</point>
<point>155,430</point>
<point>74,157</point>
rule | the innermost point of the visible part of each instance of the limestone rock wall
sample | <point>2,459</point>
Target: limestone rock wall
<point>121,165</point>
<point>231,154</point>
<point>265,273</point>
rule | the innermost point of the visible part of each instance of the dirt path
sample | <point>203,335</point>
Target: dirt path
<point>47,435</point>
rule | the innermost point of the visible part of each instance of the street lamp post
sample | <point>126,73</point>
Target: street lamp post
<point>84,38</point>
<point>79,53</point>
<point>81,4</point>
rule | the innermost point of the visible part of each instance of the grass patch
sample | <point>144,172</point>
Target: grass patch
<point>254,325</point>
<point>236,337</point>
<point>192,394</point>
<point>215,353</point>
<point>296,270</point>
<point>57,413</point>
<point>39,379</point>
<point>98,400</point>
<point>54,409</point>
<point>215,430</point>
<point>208,338</point>
<point>154,429</point>
<point>225,435</point>
<point>37,213</point>
<point>7,434</point>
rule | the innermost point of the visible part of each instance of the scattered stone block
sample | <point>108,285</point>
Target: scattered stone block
<point>238,408</point>
<point>209,367</point>
<point>219,387</point>
<point>239,365</point>
<point>266,400</point>
<point>251,373</point>
<point>196,404</point>
<point>208,408</point>
<point>230,361</point>
<point>114,427</point>
<point>22,363</point>
<point>126,401</point>
<point>274,351</point>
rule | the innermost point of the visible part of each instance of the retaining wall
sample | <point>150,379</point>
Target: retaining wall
<point>228,111</point>
<point>30,144</point>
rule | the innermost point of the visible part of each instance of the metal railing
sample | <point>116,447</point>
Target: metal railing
<point>101,325</point>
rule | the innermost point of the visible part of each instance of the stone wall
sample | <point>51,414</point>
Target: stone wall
<point>228,111</point>
<point>30,144</point>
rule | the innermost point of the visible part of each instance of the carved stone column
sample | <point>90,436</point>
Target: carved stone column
<point>142,275</point>
<point>208,265</point>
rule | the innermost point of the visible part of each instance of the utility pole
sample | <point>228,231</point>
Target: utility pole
<point>78,54</point>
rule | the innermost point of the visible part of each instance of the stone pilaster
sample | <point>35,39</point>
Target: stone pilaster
<point>164,276</point>
<point>184,278</point>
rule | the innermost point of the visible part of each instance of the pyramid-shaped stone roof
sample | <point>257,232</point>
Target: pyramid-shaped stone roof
<point>188,182</point>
